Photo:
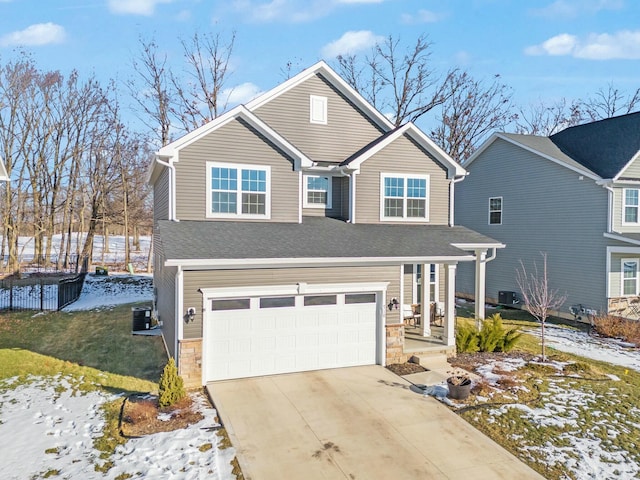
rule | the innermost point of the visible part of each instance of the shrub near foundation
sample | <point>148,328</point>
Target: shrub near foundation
<point>493,337</point>
<point>617,327</point>
<point>171,386</point>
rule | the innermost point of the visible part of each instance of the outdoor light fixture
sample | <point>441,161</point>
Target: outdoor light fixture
<point>393,304</point>
<point>191,315</point>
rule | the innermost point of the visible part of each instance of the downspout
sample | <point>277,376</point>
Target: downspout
<point>172,180</point>
<point>178,313</point>
<point>610,208</point>
<point>451,198</point>
<point>352,191</point>
<point>300,194</point>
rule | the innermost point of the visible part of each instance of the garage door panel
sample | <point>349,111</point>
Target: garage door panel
<point>255,342</point>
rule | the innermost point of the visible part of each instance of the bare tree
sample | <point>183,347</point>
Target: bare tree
<point>403,84</point>
<point>609,102</point>
<point>201,98</point>
<point>151,89</point>
<point>471,111</point>
<point>547,119</point>
<point>540,300</point>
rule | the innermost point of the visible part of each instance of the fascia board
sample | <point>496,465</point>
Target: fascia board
<point>621,238</point>
<point>252,263</point>
<point>457,169</point>
<point>476,246</point>
<point>337,81</point>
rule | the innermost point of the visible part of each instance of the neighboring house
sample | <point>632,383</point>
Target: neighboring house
<point>289,233</point>
<point>574,195</point>
<point>3,172</point>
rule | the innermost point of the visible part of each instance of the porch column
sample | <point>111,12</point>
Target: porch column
<point>480,294</point>
<point>425,307</point>
<point>449,304</point>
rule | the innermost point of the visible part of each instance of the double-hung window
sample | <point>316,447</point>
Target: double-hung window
<point>495,211</point>
<point>317,192</point>
<point>404,197</point>
<point>630,276</point>
<point>630,205</point>
<point>238,191</point>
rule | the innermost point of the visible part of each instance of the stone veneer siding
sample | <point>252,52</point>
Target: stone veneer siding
<point>395,343</point>
<point>190,362</point>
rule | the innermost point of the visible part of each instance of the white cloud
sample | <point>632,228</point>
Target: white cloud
<point>241,93</point>
<point>596,46</point>
<point>575,8</point>
<point>351,42</point>
<point>135,7</point>
<point>295,11</point>
<point>422,16</point>
<point>35,35</point>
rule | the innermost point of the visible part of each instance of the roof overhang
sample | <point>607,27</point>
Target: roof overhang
<point>621,238</point>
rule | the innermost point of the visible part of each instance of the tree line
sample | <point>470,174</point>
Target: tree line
<point>76,165</point>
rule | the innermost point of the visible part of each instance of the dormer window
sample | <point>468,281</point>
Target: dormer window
<point>318,109</point>
<point>317,192</point>
<point>238,191</point>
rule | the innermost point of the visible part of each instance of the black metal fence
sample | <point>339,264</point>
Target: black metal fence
<point>39,293</point>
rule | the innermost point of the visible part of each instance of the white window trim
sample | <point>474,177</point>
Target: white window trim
<point>312,109</point>
<point>624,206</point>
<point>491,211</point>
<point>404,217</point>
<point>238,214</point>
<point>622,262</point>
<point>305,189</point>
<point>436,283</point>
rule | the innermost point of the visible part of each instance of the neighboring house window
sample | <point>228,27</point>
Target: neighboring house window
<point>404,197</point>
<point>630,205</point>
<point>630,276</point>
<point>433,282</point>
<point>495,211</point>
<point>318,109</point>
<point>238,190</point>
<point>317,192</point>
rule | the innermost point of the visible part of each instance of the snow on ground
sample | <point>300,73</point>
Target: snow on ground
<point>46,426</point>
<point>596,348</point>
<point>105,291</point>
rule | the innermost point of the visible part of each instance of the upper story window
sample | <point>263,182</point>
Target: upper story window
<point>495,211</point>
<point>317,192</point>
<point>630,276</point>
<point>318,109</point>
<point>404,197</point>
<point>630,205</point>
<point>238,191</point>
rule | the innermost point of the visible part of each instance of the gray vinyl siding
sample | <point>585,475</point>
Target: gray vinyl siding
<point>407,278</point>
<point>401,156</point>
<point>546,208</point>
<point>161,196</point>
<point>345,201</point>
<point>236,142</point>
<point>347,129</point>
<point>336,202</point>
<point>164,279</point>
<point>194,280</point>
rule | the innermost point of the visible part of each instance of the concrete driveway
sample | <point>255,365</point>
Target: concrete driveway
<point>353,423</point>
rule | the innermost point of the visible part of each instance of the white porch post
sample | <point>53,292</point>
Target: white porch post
<point>425,308</point>
<point>449,304</point>
<point>480,294</point>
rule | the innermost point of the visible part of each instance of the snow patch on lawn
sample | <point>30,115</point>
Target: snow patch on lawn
<point>108,291</point>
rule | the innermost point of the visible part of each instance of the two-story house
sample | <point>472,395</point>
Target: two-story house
<point>291,231</point>
<point>573,195</point>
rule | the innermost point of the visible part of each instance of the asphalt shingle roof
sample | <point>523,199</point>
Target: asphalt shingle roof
<point>603,147</point>
<point>316,237</point>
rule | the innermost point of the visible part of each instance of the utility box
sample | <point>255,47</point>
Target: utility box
<point>141,318</point>
<point>102,271</point>
<point>507,298</point>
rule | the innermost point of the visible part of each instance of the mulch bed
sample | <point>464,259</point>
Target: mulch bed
<point>141,416</point>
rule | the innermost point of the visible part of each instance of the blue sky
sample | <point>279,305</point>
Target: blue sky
<point>544,49</point>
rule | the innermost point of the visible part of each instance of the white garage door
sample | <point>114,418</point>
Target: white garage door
<point>267,335</point>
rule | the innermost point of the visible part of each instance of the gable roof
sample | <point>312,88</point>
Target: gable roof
<point>453,167</point>
<point>318,240</point>
<point>605,146</point>
<point>336,80</point>
<point>600,150</point>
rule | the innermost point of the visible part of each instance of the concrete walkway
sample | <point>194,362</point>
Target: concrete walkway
<point>353,423</point>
